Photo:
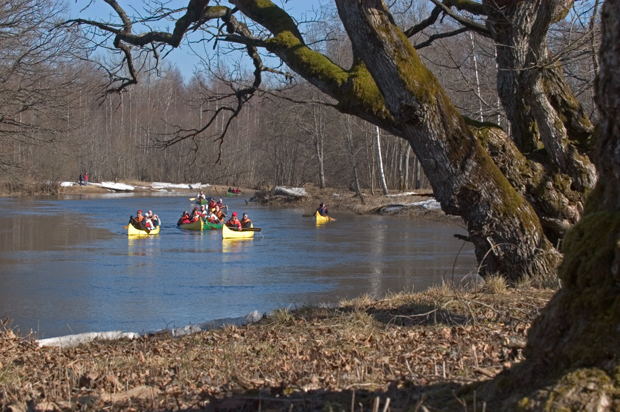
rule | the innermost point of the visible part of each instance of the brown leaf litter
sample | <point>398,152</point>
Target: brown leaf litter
<point>362,355</point>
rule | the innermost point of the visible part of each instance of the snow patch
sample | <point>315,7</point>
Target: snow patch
<point>290,191</point>
<point>117,186</point>
<point>74,340</point>
<point>402,194</point>
<point>191,186</point>
<point>430,204</point>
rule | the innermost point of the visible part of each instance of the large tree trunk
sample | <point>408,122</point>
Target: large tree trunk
<point>573,350</point>
<point>505,230</point>
<point>541,108</point>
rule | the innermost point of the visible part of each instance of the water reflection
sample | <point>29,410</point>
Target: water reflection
<point>59,276</point>
<point>235,245</point>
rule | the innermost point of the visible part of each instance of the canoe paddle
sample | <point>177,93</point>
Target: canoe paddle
<point>192,198</point>
<point>246,229</point>
<point>125,227</point>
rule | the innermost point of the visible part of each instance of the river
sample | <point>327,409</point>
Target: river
<point>67,266</point>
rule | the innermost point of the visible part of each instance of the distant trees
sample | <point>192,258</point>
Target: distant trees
<point>37,83</point>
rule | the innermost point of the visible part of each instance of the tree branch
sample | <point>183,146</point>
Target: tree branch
<point>479,28</point>
<point>429,21</point>
<point>438,36</point>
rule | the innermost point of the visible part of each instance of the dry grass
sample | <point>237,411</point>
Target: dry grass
<point>311,358</point>
<point>495,284</point>
<point>28,187</point>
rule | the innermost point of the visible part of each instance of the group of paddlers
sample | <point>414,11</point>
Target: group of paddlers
<point>213,213</point>
<point>146,222</point>
<point>234,191</point>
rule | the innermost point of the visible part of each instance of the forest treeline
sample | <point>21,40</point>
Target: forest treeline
<point>58,118</point>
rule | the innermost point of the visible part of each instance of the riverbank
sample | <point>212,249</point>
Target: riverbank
<point>405,350</point>
<point>408,205</point>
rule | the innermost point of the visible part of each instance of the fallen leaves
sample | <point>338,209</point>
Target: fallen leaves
<point>420,338</point>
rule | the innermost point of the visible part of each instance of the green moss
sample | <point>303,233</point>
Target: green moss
<point>270,16</point>
<point>590,249</point>
<point>480,125</point>
<point>588,306</point>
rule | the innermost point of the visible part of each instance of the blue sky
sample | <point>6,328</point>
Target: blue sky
<point>182,57</point>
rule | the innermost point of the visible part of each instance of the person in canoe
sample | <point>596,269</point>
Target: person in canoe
<point>148,223</point>
<point>245,221</point>
<point>212,218</point>
<point>185,219</point>
<point>233,222</point>
<point>322,209</point>
<point>154,218</point>
<point>220,213</point>
<point>203,212</point>
<point>200,197</point>
<point>220,204</point>
<point>138,222</point>
<point>212,205</point>
<point>195,215</point>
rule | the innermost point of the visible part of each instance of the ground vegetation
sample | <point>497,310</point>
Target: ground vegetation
<point>346,357</point>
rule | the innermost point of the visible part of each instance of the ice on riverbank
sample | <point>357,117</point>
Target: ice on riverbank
<point>75,340</point>
<point>290,191</point>
<point>122,187</point>
<point>190,186</point>
<point>430,204</point>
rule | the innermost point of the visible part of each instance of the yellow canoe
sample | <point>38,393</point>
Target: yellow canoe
<point>197,225</point>
<point>132,231</point>
<point>228,233</point>
<point>320,219</point>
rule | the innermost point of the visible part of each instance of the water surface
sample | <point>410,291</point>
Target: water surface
<point>67,265</point>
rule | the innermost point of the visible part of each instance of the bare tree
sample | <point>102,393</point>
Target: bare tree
<point>36,79</point>
<point>382,182</point>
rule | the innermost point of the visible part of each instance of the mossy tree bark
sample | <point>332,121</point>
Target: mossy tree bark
<point>502,225</point>
<point>541,108</point>
<point>573,351</point>
<point>583,316</point>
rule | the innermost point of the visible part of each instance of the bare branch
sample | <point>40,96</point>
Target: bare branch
<point>438,36</point>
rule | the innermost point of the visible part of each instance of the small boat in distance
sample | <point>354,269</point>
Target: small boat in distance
<point>320,219</point>
<point>197,225</point>
<point>132,231</point>
<point>228,233</point>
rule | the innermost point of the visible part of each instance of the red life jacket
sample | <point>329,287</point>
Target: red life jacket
<point>233,222</point>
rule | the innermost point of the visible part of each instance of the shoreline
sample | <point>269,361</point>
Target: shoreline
<point>398,205</point>
<point>395,349</point>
